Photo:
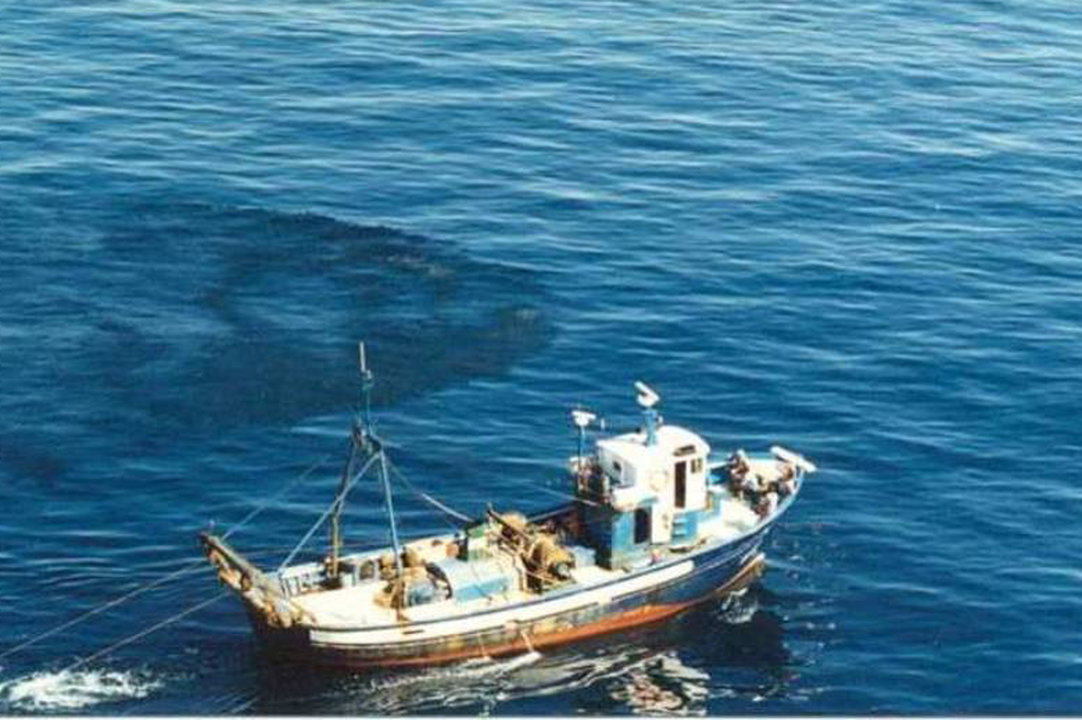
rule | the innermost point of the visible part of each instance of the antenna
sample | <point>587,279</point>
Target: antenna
<point>648,399</point>
<point>582,419</point>
<point>367,381</point>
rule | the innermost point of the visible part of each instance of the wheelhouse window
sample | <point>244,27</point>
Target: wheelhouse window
<point>642,525</point>
<point>617,472</point>
<point>680,487</point>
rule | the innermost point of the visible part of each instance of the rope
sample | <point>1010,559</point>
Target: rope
<point>366,542</point>
<point>143,633</point>
<point>102,608</point>
<point>186,569</point>
<point>462,517</point>
<point>557,493</point>
<point>194,565</point>
<point>260,508</point>
<point>338,498</point>
<point>452,513</point>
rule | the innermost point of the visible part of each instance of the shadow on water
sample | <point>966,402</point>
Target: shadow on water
<point>725,649</point>
<point>195,318</point>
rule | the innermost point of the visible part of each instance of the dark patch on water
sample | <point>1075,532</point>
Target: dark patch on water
<point>205,318</point>
<point>849,228</point>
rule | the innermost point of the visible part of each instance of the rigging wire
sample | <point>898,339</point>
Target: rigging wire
<point>260,508</point>
<point>453,513</point>
<point>557,493</point>
<point>338,498</point>
<point>444,508</point>
<point>462,517</point>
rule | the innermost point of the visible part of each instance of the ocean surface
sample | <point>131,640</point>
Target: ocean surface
<point>852,228</point>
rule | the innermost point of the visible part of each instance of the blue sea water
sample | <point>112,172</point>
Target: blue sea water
<point>852,228</point>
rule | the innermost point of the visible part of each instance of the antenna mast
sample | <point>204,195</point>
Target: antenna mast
<point>367,381</point>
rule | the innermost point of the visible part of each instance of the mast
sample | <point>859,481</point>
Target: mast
<point>336,514</point>
<point>360,438</point>
<point>363,439</point>
<point>367,381</point>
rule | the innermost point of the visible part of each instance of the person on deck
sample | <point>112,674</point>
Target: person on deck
<point>768,504</point>
<point>739,474</point>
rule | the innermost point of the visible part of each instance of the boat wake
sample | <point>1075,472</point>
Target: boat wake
<point>738,609</point>
<point>64,691</point>
<point>473,669</point>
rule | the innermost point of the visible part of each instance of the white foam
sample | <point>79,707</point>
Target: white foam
<point>738,609</point>
<point>480,679</point>
<point>473,668</point>
<point>519,661</point>
<point>67,690</point>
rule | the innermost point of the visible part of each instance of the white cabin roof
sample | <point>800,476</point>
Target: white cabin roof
<point>632,447</point>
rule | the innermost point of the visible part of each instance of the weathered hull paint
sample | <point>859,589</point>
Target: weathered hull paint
<point>717,570</point>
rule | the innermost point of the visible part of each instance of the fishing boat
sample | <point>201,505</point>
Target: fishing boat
<point>654,522</point>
